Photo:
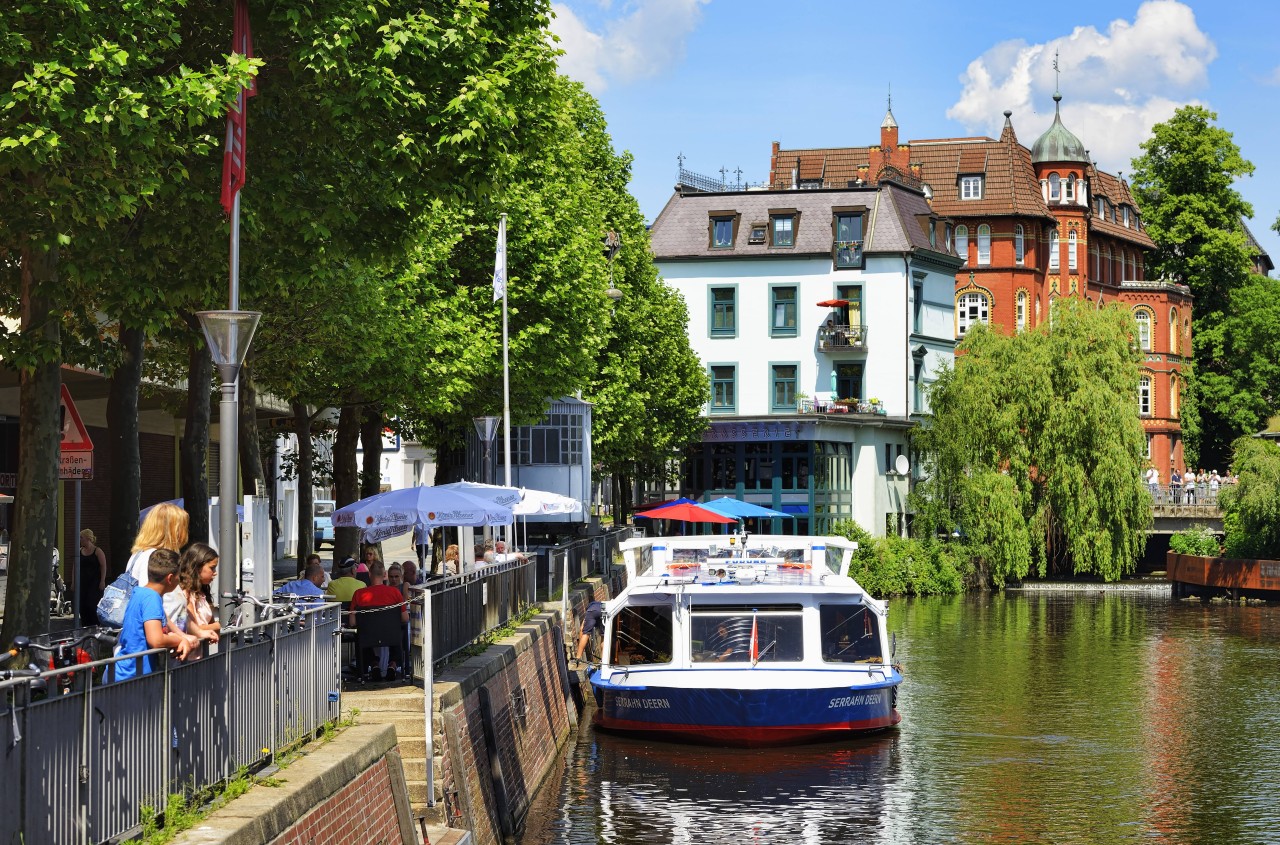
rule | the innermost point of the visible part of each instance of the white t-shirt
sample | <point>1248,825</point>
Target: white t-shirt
<point>137,566</point>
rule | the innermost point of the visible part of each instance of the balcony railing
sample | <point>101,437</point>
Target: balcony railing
<point>839,406</point>
<point>832,336</point>
<point>847,254</point>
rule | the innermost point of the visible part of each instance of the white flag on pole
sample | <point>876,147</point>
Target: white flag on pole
<point>500,261</point>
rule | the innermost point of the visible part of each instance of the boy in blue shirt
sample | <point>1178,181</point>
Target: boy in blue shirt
<point>145,624</point>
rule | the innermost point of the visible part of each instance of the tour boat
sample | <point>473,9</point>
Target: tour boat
<point>750,641</point>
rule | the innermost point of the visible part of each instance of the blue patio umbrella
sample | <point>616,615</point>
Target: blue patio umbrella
<point>730,506</point>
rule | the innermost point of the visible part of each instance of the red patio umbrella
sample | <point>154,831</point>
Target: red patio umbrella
<point>684,512</point>
<point>833,303</point>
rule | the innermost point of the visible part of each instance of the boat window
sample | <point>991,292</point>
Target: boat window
<point>641,634</point>
<point>850,634</point>
<point>746,637</point>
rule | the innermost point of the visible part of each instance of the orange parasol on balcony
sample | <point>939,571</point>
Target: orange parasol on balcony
<point>833,303</point>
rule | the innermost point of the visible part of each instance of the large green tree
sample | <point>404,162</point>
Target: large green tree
<point>1184,185</point>
<point>1035,449</point>
<point>1251,518</point>
<point>97,110</point>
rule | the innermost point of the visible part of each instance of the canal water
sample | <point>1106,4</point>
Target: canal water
<point>1085,717</point>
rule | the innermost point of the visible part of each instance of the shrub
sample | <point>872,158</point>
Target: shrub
<point>894,566</point>
<point>1251,507</point>
<point>1199,540</point>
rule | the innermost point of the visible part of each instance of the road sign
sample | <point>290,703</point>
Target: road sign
<point>76,449</point>
<point>75,437</point>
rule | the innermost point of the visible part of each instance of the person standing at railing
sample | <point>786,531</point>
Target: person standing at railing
<point>145,624</point>
<point>1153,482</point>
<point>190,605</point>
<point>165,527</point>
<point>1190,486</point>
<point>1175,486</point>
<point>1214,482</point>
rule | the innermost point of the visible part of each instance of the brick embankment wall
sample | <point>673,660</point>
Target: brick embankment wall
<point>502,718</point>
<point>350,791</point>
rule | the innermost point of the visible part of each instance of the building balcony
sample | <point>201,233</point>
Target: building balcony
<point>832,336</point>
<point>839,406</point>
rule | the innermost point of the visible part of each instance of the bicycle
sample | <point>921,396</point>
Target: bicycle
<point>283,608</point>
<point>33,672</point>
<point>70,651</point>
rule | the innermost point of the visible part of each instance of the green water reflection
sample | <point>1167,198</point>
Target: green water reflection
<point>1041,717</point>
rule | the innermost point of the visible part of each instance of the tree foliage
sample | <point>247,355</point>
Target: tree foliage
<point>900,566</point>
<point>1251,507</point>
<point>1035,450</point>
<point>1184,185</point>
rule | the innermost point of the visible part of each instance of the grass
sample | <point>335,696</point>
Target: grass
<point>481,644</point>
<point>184,811</point>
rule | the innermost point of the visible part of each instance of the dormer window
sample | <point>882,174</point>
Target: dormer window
<point>847,240</point>
<point>723,225</point>
<point>758,234</point>
<point>1125,210</point>
<point>783,229</point>
<point>970,187</point>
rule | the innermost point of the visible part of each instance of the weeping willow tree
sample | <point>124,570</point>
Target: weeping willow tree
<point>1251,507</point>
<point>1036,451</point>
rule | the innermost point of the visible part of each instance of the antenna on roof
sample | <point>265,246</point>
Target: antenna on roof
<point>738,172</point>
<point>680,166</point>
<point>890,98</point>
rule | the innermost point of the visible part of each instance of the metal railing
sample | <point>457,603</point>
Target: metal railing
<point>577,559</point>
<point>832,336</point>
<point>467,606</point>
<point>1202,497</point>
<point>80,767</point>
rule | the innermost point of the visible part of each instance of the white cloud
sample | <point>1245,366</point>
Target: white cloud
<point>1115,84</point>
<point>1272,78</point>
<point>646,38</point>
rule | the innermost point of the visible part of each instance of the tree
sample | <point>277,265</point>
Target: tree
<point>1183,184</point>
<point>1035,449</point>
<point>1251,508</point>
<point>95,116</point>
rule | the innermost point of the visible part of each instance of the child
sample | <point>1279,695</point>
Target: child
<point>145,624</point>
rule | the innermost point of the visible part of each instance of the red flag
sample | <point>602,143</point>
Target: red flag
<point>233,156</point>
<point>755,641</point>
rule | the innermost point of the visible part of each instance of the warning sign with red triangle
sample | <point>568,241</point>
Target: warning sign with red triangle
<point>75,437</point>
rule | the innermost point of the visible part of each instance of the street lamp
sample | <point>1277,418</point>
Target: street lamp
<point>229,334</point>
<point>486,428</point>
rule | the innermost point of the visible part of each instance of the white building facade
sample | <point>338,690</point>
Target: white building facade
<point>821,317</point>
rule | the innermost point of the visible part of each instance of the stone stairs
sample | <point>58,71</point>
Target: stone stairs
<point>401,707</point>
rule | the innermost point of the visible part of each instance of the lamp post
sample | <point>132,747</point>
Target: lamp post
<point>486,428</point>
<point>229,334</point>
<point>612,243</point>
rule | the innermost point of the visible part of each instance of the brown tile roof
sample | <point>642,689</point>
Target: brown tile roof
<point>1117,192</point>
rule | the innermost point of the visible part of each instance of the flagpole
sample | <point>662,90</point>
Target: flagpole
<point>506,385</point>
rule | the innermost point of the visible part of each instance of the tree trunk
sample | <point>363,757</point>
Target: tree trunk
<point>306,483</point>
<point>250,449</point>
<point>345,482</point>
<point>194,446</point>
<point>449,459</point>
<point>122,432</point>
<point>371,443</point>
<point>35,524</point>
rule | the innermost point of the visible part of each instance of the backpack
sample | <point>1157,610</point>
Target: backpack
<point>115,599</point>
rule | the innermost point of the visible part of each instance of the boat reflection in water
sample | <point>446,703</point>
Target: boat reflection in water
<point>643,791</point>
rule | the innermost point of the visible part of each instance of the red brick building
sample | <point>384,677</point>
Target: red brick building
<point>1033,225</point>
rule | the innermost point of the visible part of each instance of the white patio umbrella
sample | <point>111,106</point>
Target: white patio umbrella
<point>397,511</point>
<point>496,493</point>
<point>542,501</point>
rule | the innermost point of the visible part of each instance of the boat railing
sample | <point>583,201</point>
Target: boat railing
<point>654,556</point>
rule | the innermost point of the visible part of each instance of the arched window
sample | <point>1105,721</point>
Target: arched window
<point>1097,263</point>
<point>1173,331</point>
<point>1020,316</point>
<point>1071,251</point>
<point>1055,260</point>
<point>1144,396</point>
<point>1143,318</point>
<point>1071,187</point>
<point>1173,397</point>
<point>971,309</point>
<point>984,245</point>
<point>962,242</point>
<point>1106,265</point>
<point>1133,268</point>
<point>1055,187</point>
<point>1019,245</point>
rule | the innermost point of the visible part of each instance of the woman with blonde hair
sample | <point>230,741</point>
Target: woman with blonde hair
<point>451,563</point>
<point>165,527</point>
<point>92,575</point>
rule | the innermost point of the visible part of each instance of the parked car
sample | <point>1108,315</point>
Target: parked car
<point>323,521</point>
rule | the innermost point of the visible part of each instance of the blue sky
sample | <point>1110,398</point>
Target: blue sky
<point>720,80</point>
